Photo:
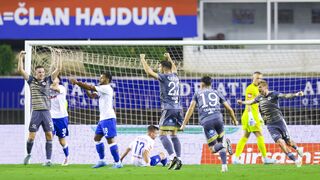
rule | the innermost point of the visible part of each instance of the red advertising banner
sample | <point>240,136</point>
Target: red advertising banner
<point>251,154</point>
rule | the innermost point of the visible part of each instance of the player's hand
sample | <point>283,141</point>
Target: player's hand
<point>300,93</point>
<point>182,127</point>
<point>239,101</point>
<point>22,53</point>
<point>235,123</point>
<point>166,55</point>
<point>73,81</point>
<point>142,56</point>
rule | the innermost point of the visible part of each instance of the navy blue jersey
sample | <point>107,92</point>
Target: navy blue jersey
<point>269,107</point>
<point>169,91</point>
<point>209,102</point>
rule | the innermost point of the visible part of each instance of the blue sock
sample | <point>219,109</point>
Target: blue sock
<point>66,150</point>
<point>291,156</point>
<point>100,150</point>
<point>114,151</point>
<point>164,161</point>
<point>155,160</point>
<point>217,147</point>
<point>176,145</point>
<point>166,144</point>
<point>223,155</point>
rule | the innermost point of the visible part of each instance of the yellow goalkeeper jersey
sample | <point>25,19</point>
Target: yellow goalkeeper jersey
<point>252,92</point>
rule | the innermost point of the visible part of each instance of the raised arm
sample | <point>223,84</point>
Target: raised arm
<point>21,70</point>
<point>248,102</point>
<point>91,95</point>
<point>147,68</point>
<point>188,114</point>
<point>57,57</point>
<point>125,154</point>
<point>174,67</point>
<point>55,88</point>
<point>231,112</point>
<point>291,95</point>
<point>82,84</point>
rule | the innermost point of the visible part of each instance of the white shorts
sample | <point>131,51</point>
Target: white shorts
<point>139,162</point>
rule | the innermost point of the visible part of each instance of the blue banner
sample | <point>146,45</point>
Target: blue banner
<point>145,94</point>
<point>96,19</point>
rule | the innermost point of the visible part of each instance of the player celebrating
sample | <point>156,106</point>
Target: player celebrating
<point>277,127</point>
<point>142,146</point>
<point>209,101</point>
<point>171,117</point>
<point>59,115</point>
<point>107,123</point>
<point>251,123</point>
<point>40,94</point>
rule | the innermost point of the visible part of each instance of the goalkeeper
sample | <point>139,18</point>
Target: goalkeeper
<point>252,123</point>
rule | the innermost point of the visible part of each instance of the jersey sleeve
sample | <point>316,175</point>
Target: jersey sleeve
<point>30,79</point>
<point>49,79</point>
<point>161,77</point>
<point>257,99</point>
<point>62,89</point>
<point>148,146</point>
<point>195,98</point>
<point>103,90</point>
<point>222,99</point>
<point>277,94</point>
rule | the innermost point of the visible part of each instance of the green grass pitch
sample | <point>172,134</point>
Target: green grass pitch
<point>188,172</point>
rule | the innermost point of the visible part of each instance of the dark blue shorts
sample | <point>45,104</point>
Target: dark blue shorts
<point>214,130</point>
<point>278,130</point>
<point>107,128</point>
<point>171,119</point>
<point>61,127</point>
<point>41,118</point>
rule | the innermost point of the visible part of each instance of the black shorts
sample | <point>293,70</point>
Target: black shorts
<point>43,118</point>
<point>278,130</point>
<point>171,119</point>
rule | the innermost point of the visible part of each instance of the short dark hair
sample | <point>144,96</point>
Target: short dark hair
<point>206,80</point>
<point>108,75</point>
<point>152,128</point>
<point>166,64</point>
<point>257,72</point>
<point>38,67</point>
<point>263,83</point>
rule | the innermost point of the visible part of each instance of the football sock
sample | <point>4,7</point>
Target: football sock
<point>167,144</point>
<point>114,152</point>
<point>177,145</point>
<point>291,156</point>
<point>217,147</point>
<point>262,146</point>
<point>48,149</point>
<point>294,147</point>
<point>155,160</point>
<point>242,142</point>
<point>100,149</point>
<point>29,146</point>
<point>223,155</point>
<point>66,150</point>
